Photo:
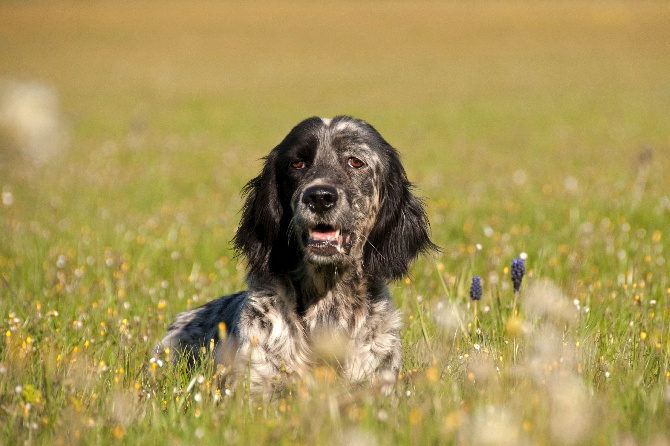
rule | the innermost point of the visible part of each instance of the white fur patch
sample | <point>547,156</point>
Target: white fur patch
<point>344,125</point>
<point>326,121</point>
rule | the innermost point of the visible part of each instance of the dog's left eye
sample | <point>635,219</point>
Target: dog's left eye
<point>355,163</point>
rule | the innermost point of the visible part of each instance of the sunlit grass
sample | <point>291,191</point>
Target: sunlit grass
<point>535,128</point>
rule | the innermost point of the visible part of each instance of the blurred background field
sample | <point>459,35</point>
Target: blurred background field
<point>127,130</point>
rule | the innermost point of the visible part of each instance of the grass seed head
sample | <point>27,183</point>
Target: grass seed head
<point>545,300</point>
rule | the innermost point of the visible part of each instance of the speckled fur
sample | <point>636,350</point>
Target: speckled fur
<point>296,294</point>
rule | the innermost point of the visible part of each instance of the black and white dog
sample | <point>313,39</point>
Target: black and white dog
<point>327,224</point>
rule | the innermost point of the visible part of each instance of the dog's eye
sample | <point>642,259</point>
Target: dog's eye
<point>298,164</point>
<point>355,163</point>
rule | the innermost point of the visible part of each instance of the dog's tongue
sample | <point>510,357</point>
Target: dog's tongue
<point>324,235</point>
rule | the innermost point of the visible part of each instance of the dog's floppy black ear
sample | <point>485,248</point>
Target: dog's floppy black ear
<point>401,230</point>
<point>261,220</point>
<point>263,236</point>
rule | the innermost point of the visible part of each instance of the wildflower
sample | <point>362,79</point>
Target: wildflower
<point>476,288</point>
<point>415,416</point>
<point>118,432</point>
<point>518,270</point>
<point>7,197</point>
<point>223,334</point>
<point>31,394</point>
<point>432,374</point>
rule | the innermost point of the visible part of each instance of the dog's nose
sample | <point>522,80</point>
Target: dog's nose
<point>320,198</point>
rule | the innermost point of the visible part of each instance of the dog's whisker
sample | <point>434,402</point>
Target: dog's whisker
<point>366,240</point>
<point>291,230</point>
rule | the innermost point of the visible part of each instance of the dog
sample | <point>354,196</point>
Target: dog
<point>330,220</point>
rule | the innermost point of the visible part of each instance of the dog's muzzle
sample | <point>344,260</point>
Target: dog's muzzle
<point>324,239</point>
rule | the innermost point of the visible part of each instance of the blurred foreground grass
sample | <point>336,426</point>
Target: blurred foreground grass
<point>536,127</point>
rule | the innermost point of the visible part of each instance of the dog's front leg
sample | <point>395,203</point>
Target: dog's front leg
<point>376,352</point>
<point>270,346</point>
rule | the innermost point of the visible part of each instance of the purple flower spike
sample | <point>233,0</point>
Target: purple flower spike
<point>476,288</point>
<point>518,270</point>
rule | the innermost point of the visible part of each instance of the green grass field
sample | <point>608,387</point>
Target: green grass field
<point>529,127</point>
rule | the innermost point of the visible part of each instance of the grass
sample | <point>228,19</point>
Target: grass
<point>537,127</point>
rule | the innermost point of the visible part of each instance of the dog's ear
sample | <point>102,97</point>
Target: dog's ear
<point>263,234</point>
<point>261,220</point>
<point>400,232</point>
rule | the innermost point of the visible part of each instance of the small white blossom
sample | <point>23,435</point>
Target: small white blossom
<point>7,197</point>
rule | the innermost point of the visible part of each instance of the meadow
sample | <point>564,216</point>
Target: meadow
<point>534,129</point>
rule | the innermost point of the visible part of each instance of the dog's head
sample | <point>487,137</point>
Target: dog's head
<point>333,192</point>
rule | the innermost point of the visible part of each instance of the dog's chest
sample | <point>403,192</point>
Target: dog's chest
<point>335,312</point>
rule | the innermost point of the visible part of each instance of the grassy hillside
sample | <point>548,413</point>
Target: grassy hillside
<point>529,127</point>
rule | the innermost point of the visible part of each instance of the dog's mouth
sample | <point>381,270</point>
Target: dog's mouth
<point>326,240</point>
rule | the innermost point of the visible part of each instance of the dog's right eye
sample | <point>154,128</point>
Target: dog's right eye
<point>298,165</point>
